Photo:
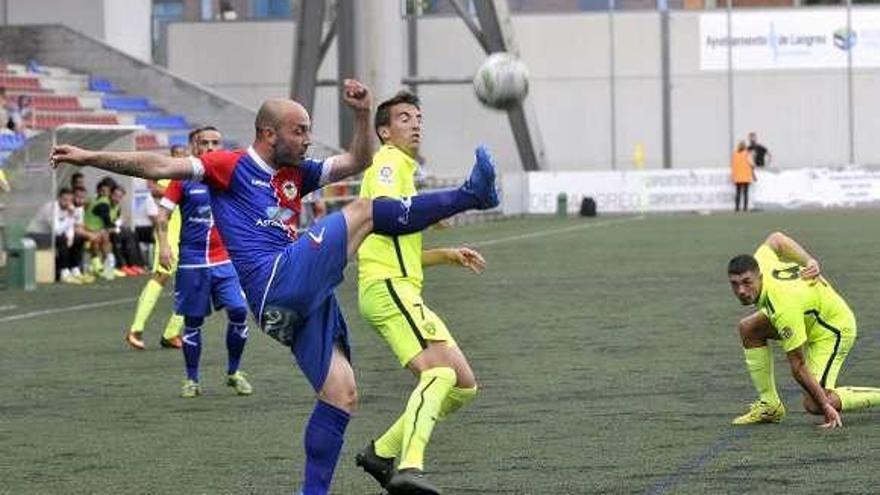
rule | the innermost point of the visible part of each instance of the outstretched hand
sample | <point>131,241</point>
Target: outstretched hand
<point>67,153</point>
<point>468,258</point>
<point>832,418</point>
<point>811,270</point>
<point>356,95</point>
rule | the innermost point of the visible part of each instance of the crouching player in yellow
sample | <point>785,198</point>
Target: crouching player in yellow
<point>389,290</point>
<point>813,324</point>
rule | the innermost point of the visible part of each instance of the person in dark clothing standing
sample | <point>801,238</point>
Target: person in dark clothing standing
<point>761,156</point>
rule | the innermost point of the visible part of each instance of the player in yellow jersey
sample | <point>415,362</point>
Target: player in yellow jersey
<point>389,296</point>
<point>815,327</point>
<point>153,289</point>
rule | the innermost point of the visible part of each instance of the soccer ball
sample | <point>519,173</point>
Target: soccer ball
<point>501,81</point>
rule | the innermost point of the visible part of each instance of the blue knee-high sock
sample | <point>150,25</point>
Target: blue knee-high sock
<point>192,345</point>
<point>323,442</point>
<point>416,213</point>
<point>236,337</point>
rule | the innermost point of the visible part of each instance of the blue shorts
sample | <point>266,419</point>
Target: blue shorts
<point>299,308</point>
<point>196,288</point>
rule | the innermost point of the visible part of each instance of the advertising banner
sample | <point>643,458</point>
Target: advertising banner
<point>692,190</point>
<point>790,39</point>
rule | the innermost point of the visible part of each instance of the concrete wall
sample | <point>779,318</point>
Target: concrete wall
<point>800,114</point>
<point>125,24</point>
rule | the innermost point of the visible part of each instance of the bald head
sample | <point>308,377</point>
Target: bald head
<point>274,111</point>
<point>283,132</point>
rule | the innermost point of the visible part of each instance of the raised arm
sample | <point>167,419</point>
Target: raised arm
<point>787,249</point>
<point>357,159</point>
<point>134,163</point>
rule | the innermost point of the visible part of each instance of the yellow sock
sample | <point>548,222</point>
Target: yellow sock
<point>174,326</point>
<point>455,399</point>
<point>388,445</point>
<point>855,398</point>
<point>759,361</point>
<point>95,266</point>
<point>146,302</point>
<point>421,414</point>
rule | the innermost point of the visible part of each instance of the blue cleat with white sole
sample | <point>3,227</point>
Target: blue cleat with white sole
<point>481,183</point>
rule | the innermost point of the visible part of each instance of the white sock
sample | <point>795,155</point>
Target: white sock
<point>75,272</point>
<point>65,272</point>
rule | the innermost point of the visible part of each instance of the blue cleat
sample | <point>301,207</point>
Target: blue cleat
<point>481,183</point>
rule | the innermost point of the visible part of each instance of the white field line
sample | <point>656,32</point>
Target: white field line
<point>551,232</point>
<point>78,307</point>
<point>489,242</point>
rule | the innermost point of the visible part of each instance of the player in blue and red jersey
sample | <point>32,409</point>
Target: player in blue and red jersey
<point>288,279</point>
<point>205,273</point>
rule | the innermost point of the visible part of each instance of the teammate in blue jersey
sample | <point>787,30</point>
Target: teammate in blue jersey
<point>205,274</point>
<point>289,279</point>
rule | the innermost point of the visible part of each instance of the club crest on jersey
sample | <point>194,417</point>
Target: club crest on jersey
<point>289,190</point>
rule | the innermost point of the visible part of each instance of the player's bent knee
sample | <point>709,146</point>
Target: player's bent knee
<point>358,214</point>
<point>810,405</point>
<point>344,396</point>
<point>360,207</point>
<point>237,315</point>
<point>161,278</point>
<point>748,333</point>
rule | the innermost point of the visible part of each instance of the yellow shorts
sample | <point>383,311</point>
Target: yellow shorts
<point>157,267</point>
<point>825,355</point>
<point>397,312</point>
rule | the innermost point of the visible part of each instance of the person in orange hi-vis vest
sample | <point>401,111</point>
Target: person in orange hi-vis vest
<point>742,173</point>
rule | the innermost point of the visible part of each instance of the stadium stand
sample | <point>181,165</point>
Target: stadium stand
<point>59,96</point>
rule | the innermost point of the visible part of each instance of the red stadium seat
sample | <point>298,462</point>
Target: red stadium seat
<point>55,103</point>
<point>43,121</point>
<point>20,82</point>
<point>145,142</point>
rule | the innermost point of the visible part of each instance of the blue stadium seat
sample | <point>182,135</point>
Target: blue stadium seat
<point>127,103</point>
<point>178,140</point>
<point>34,67</point>
<point>164,122</point>
<point>11,142</point>
<point>102,85</point>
